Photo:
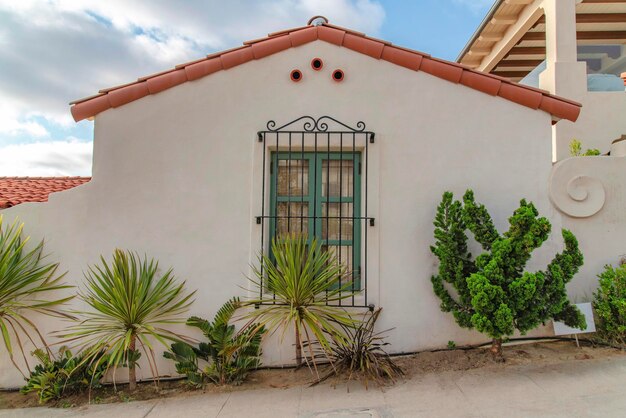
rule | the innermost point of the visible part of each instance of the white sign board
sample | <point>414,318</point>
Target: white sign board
<point>562,329</point>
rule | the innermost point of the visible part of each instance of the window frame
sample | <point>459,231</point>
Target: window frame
<point>315,200</point>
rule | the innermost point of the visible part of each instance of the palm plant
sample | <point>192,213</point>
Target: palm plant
<point>229,355</point>
<point>24,279</point>
<point>305,282</point>
<point>131,303</point>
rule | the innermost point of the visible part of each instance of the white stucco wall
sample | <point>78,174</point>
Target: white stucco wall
<point>590,192</point>
<point>175,175</point>
<point>602,120</point>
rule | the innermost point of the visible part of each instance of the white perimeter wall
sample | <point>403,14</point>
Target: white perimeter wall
<point>176,175</point>
<point>602,120</point>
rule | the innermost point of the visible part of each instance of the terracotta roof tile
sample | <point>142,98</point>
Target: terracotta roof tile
<point>330,35</point>
<point>363,45</point>
<point>478,82</point>
<point>16,190</point>
<point>533,98</point>
<point>402,57</point>
<point>165,81</point>
<point>237,57</point>
<point>303,36</point>
<point>442,69</point>
<point>202,68</point>
<point>270,46</point>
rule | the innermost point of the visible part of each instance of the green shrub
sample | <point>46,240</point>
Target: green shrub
<point>361,354</point>
<point>575,150</point>
<point>228,355</point>
<point>131,304</point>
<point>494,293</point>
<point>52,379</point>
<point>609,305</point>
<point>26,281</point>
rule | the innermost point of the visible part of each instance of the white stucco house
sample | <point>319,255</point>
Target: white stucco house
<point>325,130</point>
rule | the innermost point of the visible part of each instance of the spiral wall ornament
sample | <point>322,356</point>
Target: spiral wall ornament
<point>573,191</point>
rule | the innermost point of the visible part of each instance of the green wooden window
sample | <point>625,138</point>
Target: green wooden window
<point>319,194</point>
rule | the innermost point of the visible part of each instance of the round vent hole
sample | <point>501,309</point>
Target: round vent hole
<point>317,64</point>
<point>296,76</point>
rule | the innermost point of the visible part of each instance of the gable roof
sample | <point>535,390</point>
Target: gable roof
<point>533,98</point>
<point>16,190</point>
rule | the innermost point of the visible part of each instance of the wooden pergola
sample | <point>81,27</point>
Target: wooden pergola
<point>511,40</point>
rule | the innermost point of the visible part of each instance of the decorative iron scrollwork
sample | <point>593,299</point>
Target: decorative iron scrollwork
<point>321,124</point>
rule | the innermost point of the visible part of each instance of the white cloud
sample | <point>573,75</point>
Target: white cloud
<point>13,124</point>
<point>55,51</point>
<point>55,158</point>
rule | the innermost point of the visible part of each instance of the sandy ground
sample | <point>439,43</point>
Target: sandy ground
<point>540,375</point>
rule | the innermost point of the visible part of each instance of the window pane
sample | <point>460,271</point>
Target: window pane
<point>345,257</point>
<point>337,178</point>
<point>330,226</point>
<point>292,217</point>
<point>293,177</point>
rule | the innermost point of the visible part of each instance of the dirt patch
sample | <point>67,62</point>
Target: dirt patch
<point>413,365</point>
<point>515,354</point>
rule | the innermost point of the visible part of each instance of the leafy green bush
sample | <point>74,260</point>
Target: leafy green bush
<point>130,303</point>
<point>229,355</point>
<point>26,281</point>
<point>609,305</point>
<point>52,379</point>
<point>495,295</point>
<point>361,354</point>
<point>303,279</point>
<point>576,150</point>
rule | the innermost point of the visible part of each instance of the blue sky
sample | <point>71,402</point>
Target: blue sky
<point>54,51</point>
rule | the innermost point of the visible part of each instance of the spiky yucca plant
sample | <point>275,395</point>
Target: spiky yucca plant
<point>130,303</point>
<point>361,354</point>
<point>305,281</point>
<point>26,281</point>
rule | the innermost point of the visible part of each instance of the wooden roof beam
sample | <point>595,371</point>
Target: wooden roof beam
<point>604,1</point>
<point>511,74</point>
<point>601,35</point>
<point>534,36</point>
<point>504,20</point>
<point>581,35</point>
<point>524,21</point>
<point>519,63</point>
<point>527,50</point>
<point>479,52</point>
<point>594,18</point>
<point>491,37</point>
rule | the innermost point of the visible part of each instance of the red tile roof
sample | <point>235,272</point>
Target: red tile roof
<point>16,190</point>
<point>558,107</point>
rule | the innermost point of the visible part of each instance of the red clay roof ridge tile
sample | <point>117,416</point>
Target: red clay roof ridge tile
<point>558,107</point>
<point>286,31</point>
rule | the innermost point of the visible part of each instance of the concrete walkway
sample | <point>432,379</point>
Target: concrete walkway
<point>583,388</point>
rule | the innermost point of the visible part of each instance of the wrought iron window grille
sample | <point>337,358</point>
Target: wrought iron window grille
<point>322,164</point>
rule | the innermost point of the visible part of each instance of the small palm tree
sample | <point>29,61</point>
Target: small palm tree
<point>305,281</point>
<point>130,305</point>
<point>24,279</point>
